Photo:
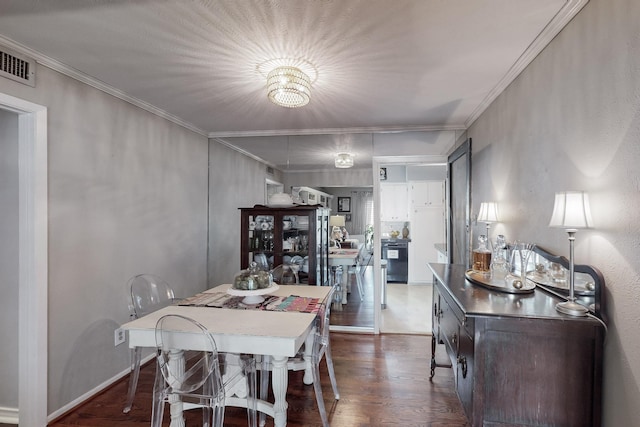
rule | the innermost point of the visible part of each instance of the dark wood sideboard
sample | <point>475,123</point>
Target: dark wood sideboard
<point>515,359</point>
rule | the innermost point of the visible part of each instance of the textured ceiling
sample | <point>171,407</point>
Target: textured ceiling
<point>376,65</point>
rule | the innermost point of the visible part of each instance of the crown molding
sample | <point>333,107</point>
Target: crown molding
<point>246,153</point>
<point>95,83</point>
<point>548,33</point>
<point>335,131</point>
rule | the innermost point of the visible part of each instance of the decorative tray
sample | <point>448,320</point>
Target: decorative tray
<point>253,296</point>
<point>583,283</point>
<point>500,285</point>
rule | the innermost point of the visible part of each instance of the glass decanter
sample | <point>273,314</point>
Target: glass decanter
<point>482,256</point>
<point>499,263</point>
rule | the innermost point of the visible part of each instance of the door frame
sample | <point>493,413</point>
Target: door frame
<point>378,162</point>
<point>459,212</point>
<point>33,259</point>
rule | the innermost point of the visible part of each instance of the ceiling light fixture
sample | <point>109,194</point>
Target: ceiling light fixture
<point>344,160</point>
<point>288,87</point>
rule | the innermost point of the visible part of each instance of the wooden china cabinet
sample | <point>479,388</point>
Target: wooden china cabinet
<point>298,235</point>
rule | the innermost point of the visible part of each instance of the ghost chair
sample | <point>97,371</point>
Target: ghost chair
<point>190,379</point>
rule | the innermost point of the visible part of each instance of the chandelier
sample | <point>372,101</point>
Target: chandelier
<point>344,160</point>
<point>289,87</point>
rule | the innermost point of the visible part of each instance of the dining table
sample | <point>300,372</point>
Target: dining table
<point>244,329</point>
<point>346,257</point>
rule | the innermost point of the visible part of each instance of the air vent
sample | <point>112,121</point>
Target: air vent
<point>270,170</point>
<point>17,67</point>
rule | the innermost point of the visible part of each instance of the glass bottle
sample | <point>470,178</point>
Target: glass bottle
<point>499,263</point>
<point>482,256</point>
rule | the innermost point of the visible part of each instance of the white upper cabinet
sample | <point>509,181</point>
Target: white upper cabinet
<point>394,202</point>
<point>426,193</point>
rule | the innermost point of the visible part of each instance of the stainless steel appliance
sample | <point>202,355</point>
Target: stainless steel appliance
<point>396,252</point>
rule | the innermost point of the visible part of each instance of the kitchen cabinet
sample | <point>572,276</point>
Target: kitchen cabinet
<point>426,193</point>
<point>427,229</point>
<point>517,361</point>
<point>427,218</point>
<point>394,202</point>
<point>300,234</point>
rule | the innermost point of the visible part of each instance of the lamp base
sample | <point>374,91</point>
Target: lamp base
<point>572,308</point>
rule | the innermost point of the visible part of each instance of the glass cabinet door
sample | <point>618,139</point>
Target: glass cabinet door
<point>295,245</point>
<point>261,241</point>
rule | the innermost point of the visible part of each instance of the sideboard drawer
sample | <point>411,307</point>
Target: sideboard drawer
<point>449,330</point>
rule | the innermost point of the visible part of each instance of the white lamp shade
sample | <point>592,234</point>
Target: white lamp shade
<point>336,221</point>
<point>488,212</point>
<point>571,210</point>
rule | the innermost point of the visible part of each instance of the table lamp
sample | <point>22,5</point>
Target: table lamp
<point>488,214</point>
<point>571,211</point>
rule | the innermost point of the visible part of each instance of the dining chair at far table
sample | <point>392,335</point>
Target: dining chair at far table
<point>148,294</point>
<point>200,378</point>
<point>321,348</point>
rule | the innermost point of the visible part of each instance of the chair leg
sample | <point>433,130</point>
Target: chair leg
<point>359,282</point>
<point>136,354</point>
<point>264,385</point>
<point>332,374</point>
<point>207,415</point>
<point>157,410</point>
<point>317,388</point>
<point>249,368</point>
<point>218,416</point>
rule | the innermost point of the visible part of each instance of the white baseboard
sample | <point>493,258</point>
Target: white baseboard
<point>88,395</point>
<point>8,415</point>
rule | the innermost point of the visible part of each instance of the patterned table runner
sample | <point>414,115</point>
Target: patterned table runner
<point>271,302</point>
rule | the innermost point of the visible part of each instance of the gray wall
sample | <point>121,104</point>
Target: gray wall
<point>235,181</point>
<point>9,259</point>
<point>127,194</point>
<point>571,121</point>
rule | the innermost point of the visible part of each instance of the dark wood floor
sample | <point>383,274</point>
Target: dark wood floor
<point>383,381</point>
<point>356,312</point>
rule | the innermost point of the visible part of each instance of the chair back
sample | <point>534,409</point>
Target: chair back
<point>284,274</point>
<point>187,371</point>
<point>149,293</point>
<point>321,338</point>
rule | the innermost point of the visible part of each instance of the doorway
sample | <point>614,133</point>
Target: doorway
<point>32,258</point>
<point>408,303</point>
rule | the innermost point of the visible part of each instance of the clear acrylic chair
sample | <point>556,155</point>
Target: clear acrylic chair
<point>321,349</point>
<point>148,294</point>
<point>285,274</point>
<point>191,379</point>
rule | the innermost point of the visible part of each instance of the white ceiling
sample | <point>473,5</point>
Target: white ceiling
<point>376,65</point>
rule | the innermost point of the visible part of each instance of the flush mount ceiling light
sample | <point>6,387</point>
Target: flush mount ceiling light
<point>289,87</point>
<point>344,160</point>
